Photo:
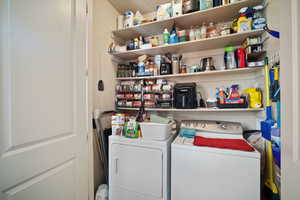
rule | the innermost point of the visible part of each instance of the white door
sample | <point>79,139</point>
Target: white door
<point>43,132</point>
<point>136,170</point>
<point>290,76</point>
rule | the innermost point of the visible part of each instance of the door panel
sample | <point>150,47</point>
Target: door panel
<point>43,127</point>
<point>137,169</point>
<point>38,188</point>
<point>48,63</point>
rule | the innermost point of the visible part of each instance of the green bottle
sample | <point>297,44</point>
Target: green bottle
<point>166,36</point>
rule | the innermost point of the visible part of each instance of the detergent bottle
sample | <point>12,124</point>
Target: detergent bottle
<point>255,97</point>
<point>166,36</point>
<point>244,23</point>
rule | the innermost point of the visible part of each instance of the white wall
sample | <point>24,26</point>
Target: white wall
<point>104,21</point>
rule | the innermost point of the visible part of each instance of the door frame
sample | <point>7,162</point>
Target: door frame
<point>289,56</point>
<point>90,89</point>
<point>290,93</point>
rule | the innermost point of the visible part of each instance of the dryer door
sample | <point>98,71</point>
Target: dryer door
<point>137,169</point>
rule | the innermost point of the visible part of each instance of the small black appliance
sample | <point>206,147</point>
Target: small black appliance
<point>185,96</point>
<point>165,68</point>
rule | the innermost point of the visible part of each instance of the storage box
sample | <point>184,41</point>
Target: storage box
<point>164,11</point>
<point>156,131</point>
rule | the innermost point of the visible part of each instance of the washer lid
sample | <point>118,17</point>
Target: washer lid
<point>187,144</point>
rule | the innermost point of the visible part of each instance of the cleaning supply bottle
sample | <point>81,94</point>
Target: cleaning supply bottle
<point>222,96</point>
<point>173,37</point>
<point>255,97</point>
<point>229,58</point>
<point>166,36</point>
<point>241,58</point>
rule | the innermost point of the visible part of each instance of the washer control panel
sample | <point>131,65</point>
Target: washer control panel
<point>220,127</point>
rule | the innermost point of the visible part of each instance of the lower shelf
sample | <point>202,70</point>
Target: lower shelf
<point>196,110</point>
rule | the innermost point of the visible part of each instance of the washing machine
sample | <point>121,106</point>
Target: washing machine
<point>139,169</point>
<point>206,173</point>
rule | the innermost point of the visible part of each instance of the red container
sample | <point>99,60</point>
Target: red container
<point>241,57</point>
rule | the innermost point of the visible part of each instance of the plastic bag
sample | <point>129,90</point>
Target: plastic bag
<point>102,192</point>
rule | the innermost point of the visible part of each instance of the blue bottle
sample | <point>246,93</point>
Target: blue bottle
<point>173,37</point>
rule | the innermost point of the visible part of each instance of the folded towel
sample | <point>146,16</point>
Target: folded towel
<point>187,132</point>
<point>233,144</point>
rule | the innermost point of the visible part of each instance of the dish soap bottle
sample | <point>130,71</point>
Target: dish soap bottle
<point>166,36</point>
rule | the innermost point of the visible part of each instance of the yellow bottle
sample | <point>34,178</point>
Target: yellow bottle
<point>255,97</point>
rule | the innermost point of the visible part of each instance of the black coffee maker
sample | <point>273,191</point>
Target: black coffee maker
<point>185,96</point>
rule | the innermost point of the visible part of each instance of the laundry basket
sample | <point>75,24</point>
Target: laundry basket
<point>156,131</point>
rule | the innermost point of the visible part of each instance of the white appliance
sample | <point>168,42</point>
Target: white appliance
<point>205,173</point>
<point>139,169</point>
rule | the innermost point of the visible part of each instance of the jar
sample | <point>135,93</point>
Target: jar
<point>225,2</point>
<point>258,12</point>
<point>182,36</point>
<point>154,41</point>
<point>183,69</point>
<point>225,30</point>
<point>212,30</point>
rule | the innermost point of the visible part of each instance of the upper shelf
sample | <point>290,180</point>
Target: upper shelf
<point>196,110</point>
<point>207,73</point>
<point>144,6</point>
<point>217,14</point>
<point>191,46</point>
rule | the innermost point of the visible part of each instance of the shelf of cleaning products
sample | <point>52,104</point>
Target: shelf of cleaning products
<point>217,14</point>
<point>196,110</point>
<point>191,46</point>
<point>217,72</point>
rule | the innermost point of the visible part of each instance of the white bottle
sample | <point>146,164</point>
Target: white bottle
<point>203,31</point>
<point>192,34</point>
<point>198,33</point>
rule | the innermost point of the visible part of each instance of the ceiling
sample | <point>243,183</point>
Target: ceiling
<point>144,6</point>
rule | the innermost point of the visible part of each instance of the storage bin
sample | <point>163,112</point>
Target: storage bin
<point>156,131</point>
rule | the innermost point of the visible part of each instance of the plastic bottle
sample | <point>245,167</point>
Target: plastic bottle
<point>198,33</point>
<point>192,34</point>
<point>241,57</point>
<point>229,58</point>
<point>217,3</point>
<point>222,96</point>
<point>173,37</point>
<point>205,4</point>
<point>166,36</point>
<point>203,31</point>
